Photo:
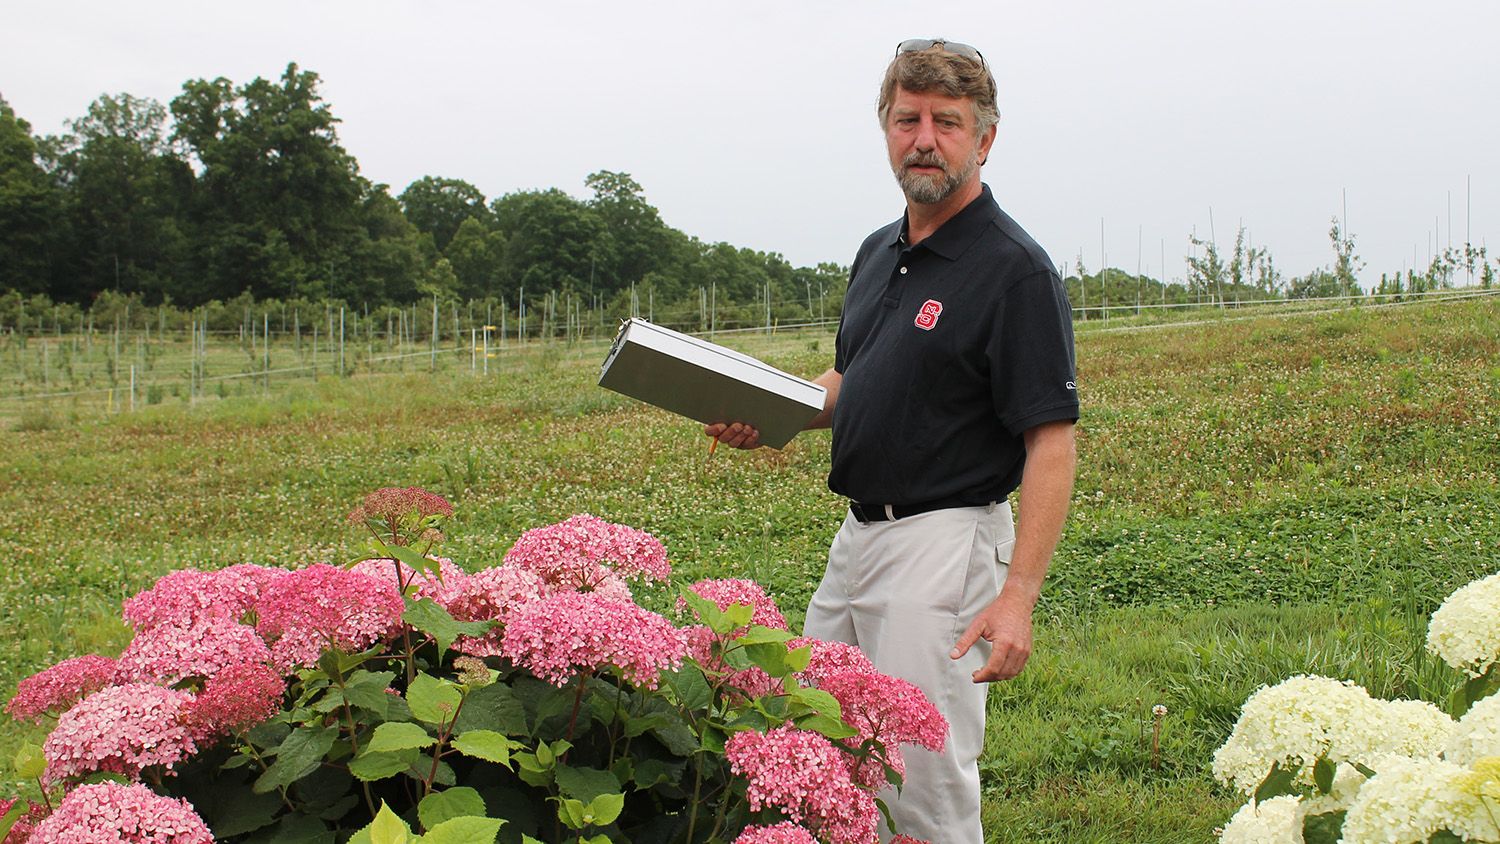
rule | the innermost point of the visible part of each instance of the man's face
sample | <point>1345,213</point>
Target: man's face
<point>933,148</point>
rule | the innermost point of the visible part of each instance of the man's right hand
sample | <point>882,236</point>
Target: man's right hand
<point>734,434</point>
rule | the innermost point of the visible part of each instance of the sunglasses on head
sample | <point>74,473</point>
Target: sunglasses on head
<point>917,45</point>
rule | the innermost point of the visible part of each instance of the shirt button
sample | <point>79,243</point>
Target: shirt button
<point>903,270</point>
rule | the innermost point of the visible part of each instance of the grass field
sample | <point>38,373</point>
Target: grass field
<point>1256,498</point>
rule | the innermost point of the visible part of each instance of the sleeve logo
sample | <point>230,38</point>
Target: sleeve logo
<point>927,317</point>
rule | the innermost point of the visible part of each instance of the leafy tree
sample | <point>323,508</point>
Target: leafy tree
<point>29,209</point>
<point>438,207</point>
<point>551,241</point>
<point>126,197</point>
<point>476,255</point>
<point>636,234</point>
<point>279,199</point>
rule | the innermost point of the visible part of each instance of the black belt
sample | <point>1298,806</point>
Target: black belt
<point>866,513</point>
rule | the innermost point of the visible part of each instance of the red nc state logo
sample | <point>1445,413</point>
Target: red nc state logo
<point>928,316</point>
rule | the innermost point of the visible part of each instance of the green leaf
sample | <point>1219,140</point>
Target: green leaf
<point>238,811</point>
<point>431,618</point>
<point>464,831</point>
<point>367,690</point>
<point>398,735</point>
<point>707,611</point>
<point>690,687</point>
<point>432,700</point>
<point>603,809</point>
<point>388,828</point>
<point>798,658</point>
<point>832,728</point>
<point>1323,829</point>
<point>298,756</point>
<point>370,767</point>
<point>770,657</point>
<point>1276,783</point>
<point>651,772</point>
<point>451,803</point>
<point>585,784</point>
<point>406,555</point>
<point>758,635</point>
<point>487,745</point>
<point>1323,772</point>
<point>29,763</point>
<point>494,707</point>
<point>818,701</point>
<point>571,813</point>
<point>10,817</point>
<point>295,829</point>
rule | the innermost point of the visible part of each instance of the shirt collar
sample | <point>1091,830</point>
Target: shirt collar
<point>961,230</point>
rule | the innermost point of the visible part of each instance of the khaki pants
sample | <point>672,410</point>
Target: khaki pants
<point>903,592</point>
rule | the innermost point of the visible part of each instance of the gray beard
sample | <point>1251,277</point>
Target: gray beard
<point>930,190</point>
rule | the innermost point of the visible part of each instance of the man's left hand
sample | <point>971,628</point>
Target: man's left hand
<point>1008,630</point>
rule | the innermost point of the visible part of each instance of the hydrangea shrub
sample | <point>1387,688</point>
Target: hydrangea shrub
<point>1323,762</point>
<point>403,698</point>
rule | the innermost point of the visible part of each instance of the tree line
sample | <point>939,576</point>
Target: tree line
<point>244,190</point>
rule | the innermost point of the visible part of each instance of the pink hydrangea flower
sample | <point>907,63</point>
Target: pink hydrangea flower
<point>391,504</point>
<point>785,832</point>
<point>187,595</point>
<point>170,653</point>
<point>907,839</point>
<point>888,709</point>
<point>582,551</point>
<point>235,699</point>
<point>559,635</point>
<point>60,686</point>
<point>92,814</point>
<point>120,730</point>
<point>491,595</point>
<point>440,587</point>
<point>829,658</point>
<point>307,611</point>
<point>730,591</point>
<point>804,776</point>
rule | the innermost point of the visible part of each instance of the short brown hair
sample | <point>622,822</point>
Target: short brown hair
<point>950,74</point>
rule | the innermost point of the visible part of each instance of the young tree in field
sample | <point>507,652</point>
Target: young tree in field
<point>29,209</point>
<point>1346,264</point>
<point>1206,273</point>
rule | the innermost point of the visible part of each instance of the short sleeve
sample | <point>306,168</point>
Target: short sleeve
<point>1030,355</point>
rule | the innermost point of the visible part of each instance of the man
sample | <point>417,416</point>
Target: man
<point>952,387</point>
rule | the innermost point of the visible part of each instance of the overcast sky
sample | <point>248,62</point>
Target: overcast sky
<point>753,123</point>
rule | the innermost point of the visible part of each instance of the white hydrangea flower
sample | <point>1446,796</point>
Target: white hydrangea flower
<point>1477,734</point>
<point>1347,781</point>
<point>1465,630</point>
<point>1296,722</point>
<point>1274,821</point>
<point>1410,800</point>
<point>1415,728</point>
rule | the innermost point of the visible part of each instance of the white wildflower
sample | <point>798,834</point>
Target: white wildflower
<point>1465,630</point>
<point>1297,722</point>
<point>1274,821</point>
<point>1477,734</point>
<point>1410,800</point>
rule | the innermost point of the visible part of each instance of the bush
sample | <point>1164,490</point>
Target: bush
<point>401,698</point>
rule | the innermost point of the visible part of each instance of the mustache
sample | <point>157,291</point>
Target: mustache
<point>924,159</point>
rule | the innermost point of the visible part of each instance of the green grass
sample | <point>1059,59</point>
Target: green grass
<point>1256,498</point>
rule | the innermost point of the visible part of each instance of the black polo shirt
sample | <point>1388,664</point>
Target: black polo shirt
<point>949,351</point>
